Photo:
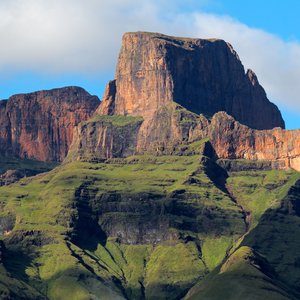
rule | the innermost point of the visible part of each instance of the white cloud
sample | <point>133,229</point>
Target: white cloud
<point>64,36</point>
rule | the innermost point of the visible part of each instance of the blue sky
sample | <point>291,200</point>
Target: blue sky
<point>47,44</point>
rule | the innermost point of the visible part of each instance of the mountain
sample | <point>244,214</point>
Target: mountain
<point>170,91</point>
<point>40,125</point>
<point>204,76</point>
<point>171,188</point>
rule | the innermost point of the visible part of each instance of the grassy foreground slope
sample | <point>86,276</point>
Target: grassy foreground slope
<point>263,263</point>
<point>141,227</point>
<point>144,227</point>
<point>245,275</point>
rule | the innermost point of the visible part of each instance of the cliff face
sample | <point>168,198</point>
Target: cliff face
<point>233,140</point>
<point>177,85</point>
<point>4,127</point>
<point>204,76</point>
<point>40,125</point>
<point>229,138</point>
<point>105,137</point>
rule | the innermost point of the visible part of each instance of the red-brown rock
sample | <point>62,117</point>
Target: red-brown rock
<point>204,76</point>
<point>169,81</point>
<point>233,140</point>
<point>40,125</point>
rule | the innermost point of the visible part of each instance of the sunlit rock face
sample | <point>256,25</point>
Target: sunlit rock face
<point>189,89</point>
<point>233,140</point>
<point>40,125</point>
<point>204,76</point>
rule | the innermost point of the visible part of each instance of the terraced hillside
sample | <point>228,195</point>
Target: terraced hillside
<point>146,227</point>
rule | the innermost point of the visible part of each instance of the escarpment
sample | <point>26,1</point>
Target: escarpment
<point>229,138</point>
<point>204,76</point>
<point>233,140</point>
<point>179,87</point>
<point>167,91</point>
<point>40,125</point>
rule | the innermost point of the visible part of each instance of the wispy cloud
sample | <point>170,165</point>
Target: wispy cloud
<point>83,36</point>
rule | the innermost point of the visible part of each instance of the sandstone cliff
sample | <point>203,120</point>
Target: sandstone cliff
<point>204,76</point>
<point>233,140</point>
<point>105,137</point>
<point>40,125</point>
<point>179,86</point>
<point>230,139</point>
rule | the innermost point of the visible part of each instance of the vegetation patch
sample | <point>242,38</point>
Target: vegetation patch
<point>115,120</point>
<point>141,227</point>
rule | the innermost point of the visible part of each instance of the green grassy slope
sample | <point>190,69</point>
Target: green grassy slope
<point>183,215</point>
<point>258,191</point>
<point>245,275</point>
<point>144,227</point>
<point>271,199</point>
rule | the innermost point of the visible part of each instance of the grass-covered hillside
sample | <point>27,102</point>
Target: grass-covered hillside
<point>12,169</point>
<point>263,264</point>
<point>143,227</point>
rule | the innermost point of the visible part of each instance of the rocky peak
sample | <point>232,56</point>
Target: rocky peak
<point>40,125</point>
<point>187,90</point>
<point>252,77</point>
<point>203,75</point>
<point>107,106</point>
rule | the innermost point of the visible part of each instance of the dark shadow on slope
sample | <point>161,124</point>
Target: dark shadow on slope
<point>86,233</point>
<point>277,238</point>
<point>215,173</point>
<point>244,275</point>
<point>16,262</point>
<point>18,255</point>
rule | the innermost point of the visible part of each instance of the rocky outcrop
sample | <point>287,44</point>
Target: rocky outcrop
<point>204,76</point>
<point>279,148</point>
<point>40,125</point>
<point>11,176</point>
<point>233,140</point>
<point>105,137</point>
<point>179,86</point>
<point>107,106</point>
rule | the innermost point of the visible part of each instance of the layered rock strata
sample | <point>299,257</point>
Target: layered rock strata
<point>229,138</point>
<point>105,137</point>
<point>178,84</point>
<point>40,125</point>
<point>233,140</point>
<point>204,76</point>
